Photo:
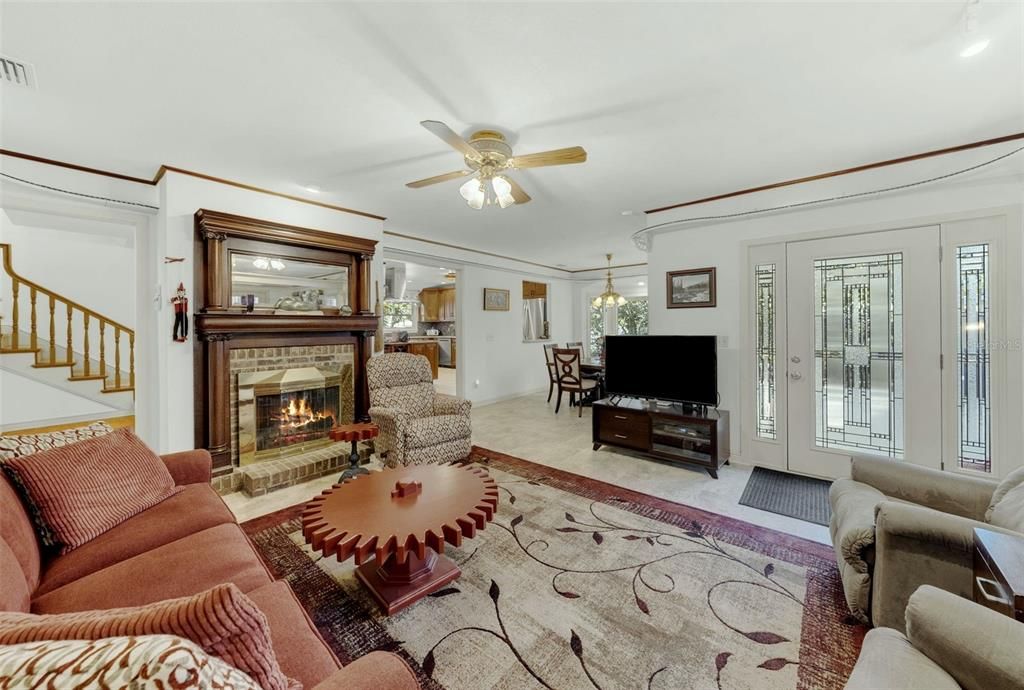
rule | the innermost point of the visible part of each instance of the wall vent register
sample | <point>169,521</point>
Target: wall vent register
<point>17,73</point>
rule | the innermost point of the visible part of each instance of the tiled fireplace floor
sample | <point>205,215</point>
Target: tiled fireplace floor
<point>528,428</point>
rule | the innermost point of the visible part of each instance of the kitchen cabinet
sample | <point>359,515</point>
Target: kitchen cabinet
<point>427,348</point>
<point>437,304</point>
<point>430,303</point>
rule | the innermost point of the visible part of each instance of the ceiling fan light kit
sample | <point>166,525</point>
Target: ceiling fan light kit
<point>488,156</point>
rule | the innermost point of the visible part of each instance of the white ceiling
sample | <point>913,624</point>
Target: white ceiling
<point>673,101</point>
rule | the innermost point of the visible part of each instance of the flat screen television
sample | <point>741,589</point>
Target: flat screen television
<point>682,368</point>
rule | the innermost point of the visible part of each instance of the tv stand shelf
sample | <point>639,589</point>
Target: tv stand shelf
<point>674,432</point>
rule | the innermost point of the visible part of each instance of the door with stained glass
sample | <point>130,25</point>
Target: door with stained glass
<point>863,344</point>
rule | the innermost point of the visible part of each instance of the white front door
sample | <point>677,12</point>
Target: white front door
<point>863,341</point>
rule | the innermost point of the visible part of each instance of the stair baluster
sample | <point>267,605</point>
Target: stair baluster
<point>103,355</point>
<point>33,333</point>
<point>117,357</point>
<point>71,348</point>
<point>85,331</point>
<point>131,359</point>
<point>14,314</point>
<point>53,332</point>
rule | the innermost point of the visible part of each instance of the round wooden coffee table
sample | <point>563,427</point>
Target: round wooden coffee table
<point>401,518</point>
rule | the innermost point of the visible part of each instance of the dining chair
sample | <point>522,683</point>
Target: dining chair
<point>549,359</point>
<point>567,369</point>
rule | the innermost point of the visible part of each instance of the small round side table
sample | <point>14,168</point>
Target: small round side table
<point>354,433</point>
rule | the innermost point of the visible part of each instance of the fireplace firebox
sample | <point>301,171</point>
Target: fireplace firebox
<point>286,411</point>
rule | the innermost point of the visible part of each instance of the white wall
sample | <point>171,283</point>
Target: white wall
<point>180,197</point>
<point>89,262</point>
<point>26,403</point>
<point>722,245</point>
<point>491,350</point>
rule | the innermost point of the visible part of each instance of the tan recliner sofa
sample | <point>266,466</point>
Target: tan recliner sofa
<point>897,526</point>
<point>951,643</point>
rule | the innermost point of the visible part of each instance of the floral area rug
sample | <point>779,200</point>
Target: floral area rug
<point>581,584</point>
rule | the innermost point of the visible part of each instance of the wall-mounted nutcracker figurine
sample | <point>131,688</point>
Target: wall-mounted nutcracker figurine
<point>180,303</point>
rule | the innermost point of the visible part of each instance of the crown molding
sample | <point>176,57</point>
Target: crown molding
<point>164,169</point>
<point>844,171</point>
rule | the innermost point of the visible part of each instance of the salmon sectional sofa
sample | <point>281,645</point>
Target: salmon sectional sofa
<point>184,545</point>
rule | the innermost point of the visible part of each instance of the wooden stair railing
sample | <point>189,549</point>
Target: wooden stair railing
<point>48,353</point>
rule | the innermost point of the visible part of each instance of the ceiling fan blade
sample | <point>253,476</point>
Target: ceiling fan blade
<point>438,178</point>
<point>568,156</point>
<point>518,194</point>
<point>445,134</point>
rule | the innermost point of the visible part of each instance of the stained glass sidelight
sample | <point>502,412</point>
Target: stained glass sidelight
<point>764,301</point>
<point>858,352</point>
<point>974,431</point>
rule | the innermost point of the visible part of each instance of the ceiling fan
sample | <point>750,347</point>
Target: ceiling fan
<point>488,156</point>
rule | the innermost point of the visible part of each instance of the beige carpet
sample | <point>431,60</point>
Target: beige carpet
<point>578,584</point>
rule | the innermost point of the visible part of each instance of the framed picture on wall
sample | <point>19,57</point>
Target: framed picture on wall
<point>495,299</point>
<point>692,288</point>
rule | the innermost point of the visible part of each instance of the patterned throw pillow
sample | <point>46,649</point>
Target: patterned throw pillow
<point>150,662</point>
<point>84,489</point>
<point>222,620</point>
<point>17,446</point>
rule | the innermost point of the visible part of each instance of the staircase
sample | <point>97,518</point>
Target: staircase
<point>52,339</point>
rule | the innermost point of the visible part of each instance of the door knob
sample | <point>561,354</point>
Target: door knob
<point>795,376</point>
<point>794,359</point>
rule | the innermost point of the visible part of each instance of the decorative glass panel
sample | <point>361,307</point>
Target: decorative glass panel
<point>764,305</point>
<point>974,443</point>
<point>858,352</point>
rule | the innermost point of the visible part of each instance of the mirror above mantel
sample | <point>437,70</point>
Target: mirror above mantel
<point>288,284</point>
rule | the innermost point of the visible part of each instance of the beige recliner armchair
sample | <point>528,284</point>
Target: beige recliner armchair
<point>897,526</point>
<point>951,643</point>
<point>417,425</point>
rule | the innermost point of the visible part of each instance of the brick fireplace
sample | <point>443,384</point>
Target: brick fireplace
<point>269,385</point>
<point>286,399</point>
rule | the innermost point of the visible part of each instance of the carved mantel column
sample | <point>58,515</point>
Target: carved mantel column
<point>363,267</point>
<point>215,264</point>
<point>218,361</point>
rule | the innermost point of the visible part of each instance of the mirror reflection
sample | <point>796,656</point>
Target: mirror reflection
<point>285,284</point>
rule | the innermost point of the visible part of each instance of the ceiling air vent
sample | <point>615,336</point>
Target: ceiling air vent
<point>17,73</point>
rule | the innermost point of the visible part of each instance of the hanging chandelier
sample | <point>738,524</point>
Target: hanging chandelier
<point>609,298</point>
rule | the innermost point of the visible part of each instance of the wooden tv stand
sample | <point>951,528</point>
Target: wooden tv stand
<point>666,431</point>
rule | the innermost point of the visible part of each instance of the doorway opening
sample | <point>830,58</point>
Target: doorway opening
<point>421,306</point>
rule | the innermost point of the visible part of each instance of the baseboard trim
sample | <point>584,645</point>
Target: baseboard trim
<point>503,398</point>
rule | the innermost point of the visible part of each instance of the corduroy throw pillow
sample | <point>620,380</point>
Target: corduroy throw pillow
<point>223,621</point>
<point>84,489</point>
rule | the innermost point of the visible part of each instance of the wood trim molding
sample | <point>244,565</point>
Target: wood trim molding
<point>844,171</point>
<point>73,166</point>
<point>164,169</point>
<point>218,225</point>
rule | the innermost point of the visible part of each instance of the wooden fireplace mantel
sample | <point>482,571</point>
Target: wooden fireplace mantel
<point>219,327</point>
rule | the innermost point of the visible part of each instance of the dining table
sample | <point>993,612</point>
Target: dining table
<point>593,368</point>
